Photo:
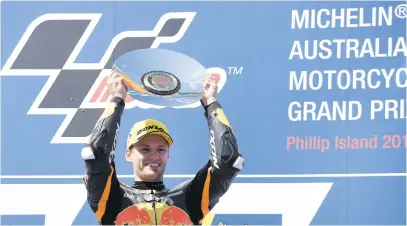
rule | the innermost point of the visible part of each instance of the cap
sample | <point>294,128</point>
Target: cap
<point>146,127</point>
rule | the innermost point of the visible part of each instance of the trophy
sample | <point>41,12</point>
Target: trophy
<point>163,77</point>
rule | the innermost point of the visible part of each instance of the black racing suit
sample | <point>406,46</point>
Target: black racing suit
<point>187,203</point>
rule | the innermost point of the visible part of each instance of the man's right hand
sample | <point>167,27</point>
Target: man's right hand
<point>116,85</point>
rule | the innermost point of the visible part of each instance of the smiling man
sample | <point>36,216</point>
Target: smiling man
<point>148,150</point>
<point>148,200</point>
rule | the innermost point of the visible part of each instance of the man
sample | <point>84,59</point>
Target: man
<point>148,201</point>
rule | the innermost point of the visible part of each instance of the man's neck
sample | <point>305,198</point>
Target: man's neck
<point>147,185</point>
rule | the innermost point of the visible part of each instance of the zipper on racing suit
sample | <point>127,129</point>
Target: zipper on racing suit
<point>155,213</point>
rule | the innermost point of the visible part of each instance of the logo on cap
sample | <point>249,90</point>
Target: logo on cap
<point>153,127</point>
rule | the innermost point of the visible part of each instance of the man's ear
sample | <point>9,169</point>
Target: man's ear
<point>168,156</point>
<point>128,155</point>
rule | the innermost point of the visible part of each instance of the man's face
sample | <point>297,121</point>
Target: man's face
<point>149,157</point>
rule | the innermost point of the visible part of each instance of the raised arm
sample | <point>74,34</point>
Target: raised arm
<point>101,181</point>
<point>215,178</point>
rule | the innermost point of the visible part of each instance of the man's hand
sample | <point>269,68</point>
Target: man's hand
<point>116,85</point>
<point>211,90</point>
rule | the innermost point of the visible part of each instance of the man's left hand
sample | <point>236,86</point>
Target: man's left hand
<point>211,91</point>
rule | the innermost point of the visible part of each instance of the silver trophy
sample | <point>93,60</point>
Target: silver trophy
<point>163,77</point>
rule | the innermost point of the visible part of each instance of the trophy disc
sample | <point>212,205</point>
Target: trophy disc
<point>162,77</point>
